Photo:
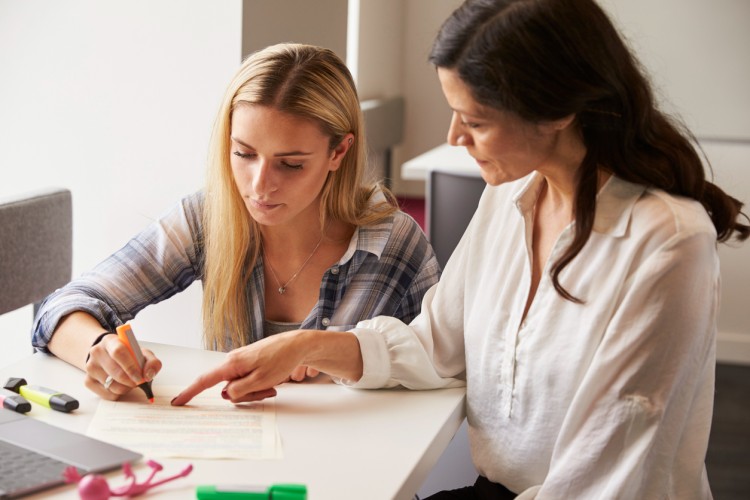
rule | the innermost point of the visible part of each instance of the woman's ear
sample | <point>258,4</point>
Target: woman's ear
<point>558,125</point>
<point>340,151</point>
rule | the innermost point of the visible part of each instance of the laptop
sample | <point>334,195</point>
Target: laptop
<point>34,454</point>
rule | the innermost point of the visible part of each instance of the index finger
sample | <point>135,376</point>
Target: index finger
<point>203,382</point>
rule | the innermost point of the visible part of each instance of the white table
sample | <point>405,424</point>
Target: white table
<point>445,158</point>
<point>342,443</point>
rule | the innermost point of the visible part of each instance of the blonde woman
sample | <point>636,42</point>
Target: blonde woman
<point>286,235</point>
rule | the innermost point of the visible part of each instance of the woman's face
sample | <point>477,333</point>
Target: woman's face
<point>506,147</point>
<point>280,163</point>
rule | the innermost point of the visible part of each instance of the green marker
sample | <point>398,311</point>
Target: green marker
<point>232,492</point>
<point>42,395</point>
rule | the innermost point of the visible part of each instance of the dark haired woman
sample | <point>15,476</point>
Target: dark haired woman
<point>580,305</point>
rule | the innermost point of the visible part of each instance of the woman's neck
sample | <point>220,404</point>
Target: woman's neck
<point>560,171</point>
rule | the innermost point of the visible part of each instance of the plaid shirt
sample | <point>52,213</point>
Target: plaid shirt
<point>386,270</point>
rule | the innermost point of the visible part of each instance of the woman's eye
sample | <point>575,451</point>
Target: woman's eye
<point>244,156</point>
<point>295,166</point>
<point>470,124</point>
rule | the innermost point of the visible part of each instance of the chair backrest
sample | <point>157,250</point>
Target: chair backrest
<point>452,199</point>
<point>36,246</point>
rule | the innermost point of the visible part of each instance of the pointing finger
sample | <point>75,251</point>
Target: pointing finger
<point>203,382</point>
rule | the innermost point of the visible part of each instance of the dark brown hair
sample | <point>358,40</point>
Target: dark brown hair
<point>547,59</point>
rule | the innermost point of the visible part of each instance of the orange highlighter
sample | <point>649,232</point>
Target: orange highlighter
<point>126,336</point>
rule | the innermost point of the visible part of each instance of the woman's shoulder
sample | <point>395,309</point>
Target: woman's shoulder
<point>672,214</point>
<point>398,227</point>
<point>194,202</point>
<point>624,208</point>
<point>403,220</point>
<point>397,222</point>
<point>184,218</point>
<point>397,236</point>
<point>648,221</point>
<point>190,209</point>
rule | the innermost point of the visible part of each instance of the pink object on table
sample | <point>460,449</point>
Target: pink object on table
<point>95,487</point>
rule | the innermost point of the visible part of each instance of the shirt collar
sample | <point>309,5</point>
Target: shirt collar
<point>371,239</point>
<point>614,202</point>
<point>614,206</point>
<point>528,192</point>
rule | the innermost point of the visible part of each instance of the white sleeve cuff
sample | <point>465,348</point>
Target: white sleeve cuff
<point>376,363</point>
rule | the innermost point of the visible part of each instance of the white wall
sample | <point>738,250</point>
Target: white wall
<point>321,22</point>
<point>379,72</point>
<point>115,101</point>
<point>697,54</point>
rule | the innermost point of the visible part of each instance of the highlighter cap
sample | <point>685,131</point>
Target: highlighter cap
<point>13,401</point>
<point>63,402</point>
<point>15,383</point>
<point>16,405</point>
<point>289,492</point>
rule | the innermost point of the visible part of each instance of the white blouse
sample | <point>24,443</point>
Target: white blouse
<point>607,399</point>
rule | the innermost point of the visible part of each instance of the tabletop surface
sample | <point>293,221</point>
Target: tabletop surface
<point>342,443</point>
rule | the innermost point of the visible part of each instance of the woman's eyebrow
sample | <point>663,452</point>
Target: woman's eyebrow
<point>292,153</point>
<point>469,113</point>
<point>234,139</point>
<point>284,153</point>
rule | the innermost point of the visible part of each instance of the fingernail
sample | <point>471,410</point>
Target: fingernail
<point>224,394</point>
<point>149,375</point>
<point>172,402</point>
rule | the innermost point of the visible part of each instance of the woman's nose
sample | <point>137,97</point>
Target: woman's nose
<point>263,178</point>
<point>456,134</point>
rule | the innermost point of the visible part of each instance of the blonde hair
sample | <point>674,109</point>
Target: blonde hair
<point>305,81</point>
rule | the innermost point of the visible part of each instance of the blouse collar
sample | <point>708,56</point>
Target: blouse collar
<point>614,202</point>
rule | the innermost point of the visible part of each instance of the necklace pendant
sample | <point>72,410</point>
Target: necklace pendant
<point>282,289</point>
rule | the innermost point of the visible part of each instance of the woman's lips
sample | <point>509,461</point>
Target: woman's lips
<point>264,205</point>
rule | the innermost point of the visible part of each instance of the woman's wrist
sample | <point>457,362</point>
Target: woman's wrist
<point>96,341</point>
<point>331,352</point>
<point>74,337</point>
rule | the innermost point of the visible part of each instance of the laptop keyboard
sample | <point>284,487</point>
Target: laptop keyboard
<point>25,471</point>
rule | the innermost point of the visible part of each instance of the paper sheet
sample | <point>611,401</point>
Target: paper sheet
<point>209,427</point>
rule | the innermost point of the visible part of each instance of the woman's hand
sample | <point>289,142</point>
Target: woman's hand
<point>253,371</point>
<point>72,342</point>
<point>111,371</point>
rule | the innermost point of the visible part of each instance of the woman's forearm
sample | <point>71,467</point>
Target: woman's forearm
<point>73,337</point>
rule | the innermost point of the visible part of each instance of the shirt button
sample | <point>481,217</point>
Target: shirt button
<point>326,321</point>
<point>335,270</point>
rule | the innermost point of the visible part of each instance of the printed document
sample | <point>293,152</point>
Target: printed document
<point>209,427</point>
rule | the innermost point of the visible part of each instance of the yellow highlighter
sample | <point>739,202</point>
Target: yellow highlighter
<point>42,395</point>
<point>126,336</point>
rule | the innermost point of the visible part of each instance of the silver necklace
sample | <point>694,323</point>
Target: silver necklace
<point>282,288</point>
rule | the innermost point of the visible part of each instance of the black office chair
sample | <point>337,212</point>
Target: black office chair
<point>36,247</point>
<point>452,199</point>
